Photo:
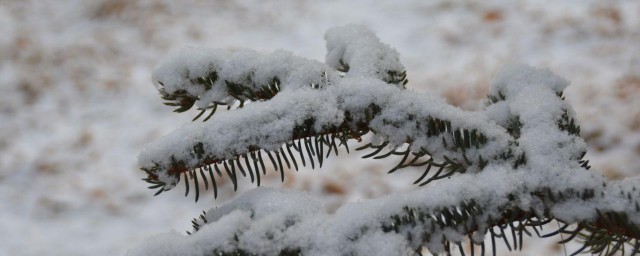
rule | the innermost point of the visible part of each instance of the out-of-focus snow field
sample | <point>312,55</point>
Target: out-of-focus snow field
<point>77,103</point>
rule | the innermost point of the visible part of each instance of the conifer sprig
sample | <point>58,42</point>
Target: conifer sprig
<point>514,167</point>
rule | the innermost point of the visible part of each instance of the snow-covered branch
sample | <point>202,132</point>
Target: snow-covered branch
<point>277,222</point>
<point>516,164</point>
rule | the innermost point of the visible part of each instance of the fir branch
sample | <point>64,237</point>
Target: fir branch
<point>209,79</point>
<point>424,220</point>
<point>511,168</point>
<point>458,144</point>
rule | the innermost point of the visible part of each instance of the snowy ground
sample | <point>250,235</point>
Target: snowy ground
<point>77,104</point>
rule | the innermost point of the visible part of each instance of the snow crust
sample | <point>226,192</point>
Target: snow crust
<point>359,48</point>
<point>512,80</point>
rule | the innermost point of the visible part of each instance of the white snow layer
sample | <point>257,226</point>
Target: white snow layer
<point>360,49</point>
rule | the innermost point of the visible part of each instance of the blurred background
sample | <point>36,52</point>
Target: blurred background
<point>77,103</point>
